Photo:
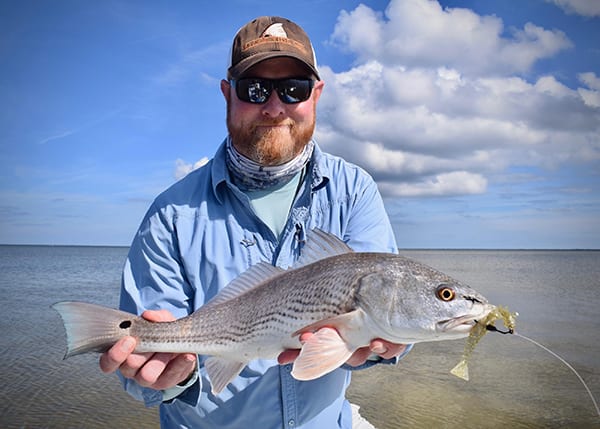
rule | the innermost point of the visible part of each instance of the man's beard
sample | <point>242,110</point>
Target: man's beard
<point>271,146</point>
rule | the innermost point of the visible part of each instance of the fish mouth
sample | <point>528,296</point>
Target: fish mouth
<point>458,325</point>
<point>464,324</point>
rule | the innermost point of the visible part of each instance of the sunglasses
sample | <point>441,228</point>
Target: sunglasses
<point>258,90</point>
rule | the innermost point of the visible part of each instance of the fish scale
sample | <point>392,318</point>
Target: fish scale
<point>362,296</point>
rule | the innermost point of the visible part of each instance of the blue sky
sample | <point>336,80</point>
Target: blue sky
<point>480,120</point>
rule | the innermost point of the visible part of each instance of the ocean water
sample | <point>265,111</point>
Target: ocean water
<point>513,383</point>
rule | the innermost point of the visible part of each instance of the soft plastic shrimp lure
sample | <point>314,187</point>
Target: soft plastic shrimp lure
<point>478,331</point>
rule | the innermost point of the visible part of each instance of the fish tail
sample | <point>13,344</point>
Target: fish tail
<point>90,327</point>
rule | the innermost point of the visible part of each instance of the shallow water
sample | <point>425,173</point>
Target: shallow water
<point>513,383</point>
<point>39,389</point>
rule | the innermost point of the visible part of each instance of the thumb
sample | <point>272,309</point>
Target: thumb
<point>158,315</point>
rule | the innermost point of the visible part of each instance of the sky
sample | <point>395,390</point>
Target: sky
<point>479,120</point>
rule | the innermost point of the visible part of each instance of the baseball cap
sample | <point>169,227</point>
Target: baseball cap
<point>269,37</point>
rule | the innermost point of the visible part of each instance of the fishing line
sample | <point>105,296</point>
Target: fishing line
<point>563,361</point>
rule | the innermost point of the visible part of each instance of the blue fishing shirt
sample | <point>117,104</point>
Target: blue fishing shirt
<point>200,234</point>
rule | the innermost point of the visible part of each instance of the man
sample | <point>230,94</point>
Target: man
<point>267,185</point>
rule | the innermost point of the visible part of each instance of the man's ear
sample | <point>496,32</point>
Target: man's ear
<point>317,89</point>
<point>226,89</point>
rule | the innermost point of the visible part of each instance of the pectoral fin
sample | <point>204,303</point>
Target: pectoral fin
<point>221,372</point>
<point>321,354</point>
<point>346,324</point>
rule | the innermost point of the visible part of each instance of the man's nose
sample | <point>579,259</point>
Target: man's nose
<point>274,107</point>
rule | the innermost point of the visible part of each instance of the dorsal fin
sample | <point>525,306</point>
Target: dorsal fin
<point>320,245</point>
<point>248,280</point>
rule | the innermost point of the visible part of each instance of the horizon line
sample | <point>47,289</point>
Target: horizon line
<point>400,249</point>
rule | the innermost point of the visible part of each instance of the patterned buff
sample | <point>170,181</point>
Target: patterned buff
<point>251,176</point>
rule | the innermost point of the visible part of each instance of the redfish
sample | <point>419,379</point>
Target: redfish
<point>362,296</point>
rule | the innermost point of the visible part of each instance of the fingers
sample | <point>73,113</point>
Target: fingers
<point>155,370</point>
<point>165,370</point>
<point>111,360</point>
<point>385,349</point>
<point>121,352</point>
<point>359,357</point>
<point>158,315</point>
<point>120,355</point>
<point>134,363</point>
<point>290,355</point>
<point>178,370</point>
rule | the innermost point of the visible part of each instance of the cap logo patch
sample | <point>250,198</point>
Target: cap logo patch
<point>274,34</point>
<point>275,30</point>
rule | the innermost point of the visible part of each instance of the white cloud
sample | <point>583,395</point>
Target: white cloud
<point>552,87</point>
<point>427,119</point>
<point>589,8</point>
<point>591,96</point>
<point>455,183</point>
<point>590,80</point>
<point>183,168</point>
<point>420,33</point>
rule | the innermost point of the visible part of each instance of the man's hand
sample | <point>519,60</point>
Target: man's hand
<point>155,370</point>
<point>383,348</point>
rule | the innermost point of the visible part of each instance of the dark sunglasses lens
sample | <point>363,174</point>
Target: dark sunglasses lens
<point>257,91</point>
<point>294,90</point>
<point>253,90</point>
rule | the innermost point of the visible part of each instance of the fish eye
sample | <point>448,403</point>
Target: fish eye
<point>445,293</point>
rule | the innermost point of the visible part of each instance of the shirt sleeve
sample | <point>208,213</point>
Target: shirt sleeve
<point>368,228</point>
<point>154,278</point>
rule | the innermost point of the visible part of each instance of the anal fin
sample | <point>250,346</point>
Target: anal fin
<point>221,372</point>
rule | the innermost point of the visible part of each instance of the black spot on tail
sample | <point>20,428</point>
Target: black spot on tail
<point>125,324</point>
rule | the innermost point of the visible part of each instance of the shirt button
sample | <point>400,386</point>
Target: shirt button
<point>291,423</point>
